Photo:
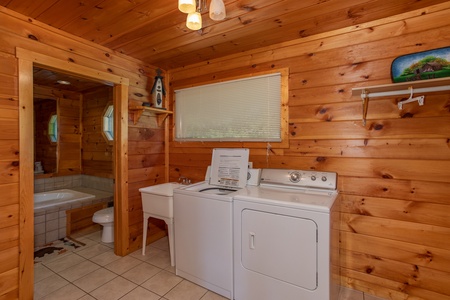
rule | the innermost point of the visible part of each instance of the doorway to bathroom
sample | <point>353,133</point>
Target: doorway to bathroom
<point>27,60</point>
<point>73,153</point>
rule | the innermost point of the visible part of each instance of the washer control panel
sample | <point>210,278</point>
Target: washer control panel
<point>299,178</point>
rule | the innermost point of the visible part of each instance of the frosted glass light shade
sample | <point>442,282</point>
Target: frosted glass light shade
<point>217,10</point>
<point>187,6</point>
<point>194,21</point>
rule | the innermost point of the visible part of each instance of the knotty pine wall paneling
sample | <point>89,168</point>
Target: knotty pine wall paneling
<point>146,162</point>
<point>394,172</point>
<point>69,122</point>
<point>68,157</point>
<point>97,154</point>
<point>20,31</point>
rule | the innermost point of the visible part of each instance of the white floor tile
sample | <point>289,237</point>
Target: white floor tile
<point>212,296</point>
<point>41,272</point>
<point>140,293</point>
<point>186,290</point>
<point>94,250</point>
<point>114,289</point>
<point>79,271</point>
<point>141,273</point>
<point>162,282</point>
<point>94,279</point>
<point>48,286</point>
<point>105,258</point>
<point>94,272</point>
<point>87,297</point>
<point>123,264</point>
<point>160,259</point>
<point>162,244</point>
<point>95,236</point>
<point>64,262</point>
<point>68,292</point>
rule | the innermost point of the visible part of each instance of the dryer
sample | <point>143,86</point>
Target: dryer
<point>285,245</point>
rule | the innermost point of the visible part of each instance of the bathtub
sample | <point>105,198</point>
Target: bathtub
<point>50,210</point>
<point>58,197</point>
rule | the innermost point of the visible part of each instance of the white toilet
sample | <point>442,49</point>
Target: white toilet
<point>105,217</point>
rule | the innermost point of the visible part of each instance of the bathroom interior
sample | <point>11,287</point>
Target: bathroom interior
<point>73,142</point>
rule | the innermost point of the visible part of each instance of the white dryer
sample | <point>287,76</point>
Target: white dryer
<point>285,246</point>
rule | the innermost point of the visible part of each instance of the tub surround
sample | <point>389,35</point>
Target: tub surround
<point>73,181</point>
<point>50,224</point>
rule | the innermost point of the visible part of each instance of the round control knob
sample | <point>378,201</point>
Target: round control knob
<point>324,178</point>
<point>313,178</point>
<point>295,177</point>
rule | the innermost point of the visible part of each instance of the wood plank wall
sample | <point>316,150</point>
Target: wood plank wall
<point>67,158</point>
<point>69,144</point>
<point>19,31</point>
<point>146,164</point>
<point>394,173</point>
<point>97,155</point>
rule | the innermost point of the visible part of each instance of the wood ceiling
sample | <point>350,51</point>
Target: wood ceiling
<point>52,79</point>
<point>154,31</point>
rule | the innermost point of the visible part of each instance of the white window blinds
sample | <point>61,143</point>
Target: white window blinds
<point>247,109</point>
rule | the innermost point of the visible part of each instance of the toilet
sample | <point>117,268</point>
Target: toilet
<point>105,217</point>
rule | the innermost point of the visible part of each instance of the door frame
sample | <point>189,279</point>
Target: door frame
<point>26,60</point>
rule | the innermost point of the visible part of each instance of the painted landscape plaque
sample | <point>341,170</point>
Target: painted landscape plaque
<point>421,66</point>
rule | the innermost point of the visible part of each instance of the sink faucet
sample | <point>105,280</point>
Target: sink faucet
<point>184,180</point>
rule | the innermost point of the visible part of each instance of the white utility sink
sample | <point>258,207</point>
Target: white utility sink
<point>157,202</point>
<point>158,199</point>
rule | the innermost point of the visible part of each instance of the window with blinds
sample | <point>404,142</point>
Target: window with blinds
<point>246,109</point>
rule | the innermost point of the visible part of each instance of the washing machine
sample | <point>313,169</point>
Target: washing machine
<point>203,222</point>
<point>286,237</point>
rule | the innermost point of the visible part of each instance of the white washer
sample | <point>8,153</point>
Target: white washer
<point>204,237</point>
<point>203,216</point>
<point>284,243</point>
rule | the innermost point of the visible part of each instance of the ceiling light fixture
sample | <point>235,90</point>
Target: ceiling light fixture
<point>64,82</point>
<point>187,6</point>
<point>194,21</point>
<point>194,8</point>
<point>217,10</point>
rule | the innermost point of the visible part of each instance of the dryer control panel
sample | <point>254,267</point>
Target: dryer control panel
<point>299,178</point>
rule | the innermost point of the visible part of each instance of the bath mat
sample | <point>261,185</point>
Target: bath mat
<point>53,249</point>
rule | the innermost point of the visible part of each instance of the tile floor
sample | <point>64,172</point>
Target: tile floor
<point>95,272</point>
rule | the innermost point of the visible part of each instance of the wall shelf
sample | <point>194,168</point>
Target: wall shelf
<point>395,89</point>
<point>137,111</point>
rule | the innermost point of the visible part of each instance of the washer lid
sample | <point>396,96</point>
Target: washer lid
<point>216,190</point>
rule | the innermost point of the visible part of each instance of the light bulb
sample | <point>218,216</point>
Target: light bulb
<point>194,21</point>
<point>187,6</point>
<point>217,10</point>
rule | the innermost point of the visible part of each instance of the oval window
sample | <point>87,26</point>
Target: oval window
<point>108,123</point>
<point>53,128</point>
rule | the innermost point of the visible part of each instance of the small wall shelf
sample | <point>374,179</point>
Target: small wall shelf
<point>395,89</point>
<point>137,111</point>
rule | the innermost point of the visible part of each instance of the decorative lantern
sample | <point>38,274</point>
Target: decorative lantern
<point>158,90</point>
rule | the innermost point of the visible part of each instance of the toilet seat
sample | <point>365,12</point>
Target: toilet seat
<point>105,215</point>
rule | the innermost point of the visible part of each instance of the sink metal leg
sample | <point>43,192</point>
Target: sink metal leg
<point>144,235</point>
<point>169,222</point>
<point>171,241</point>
